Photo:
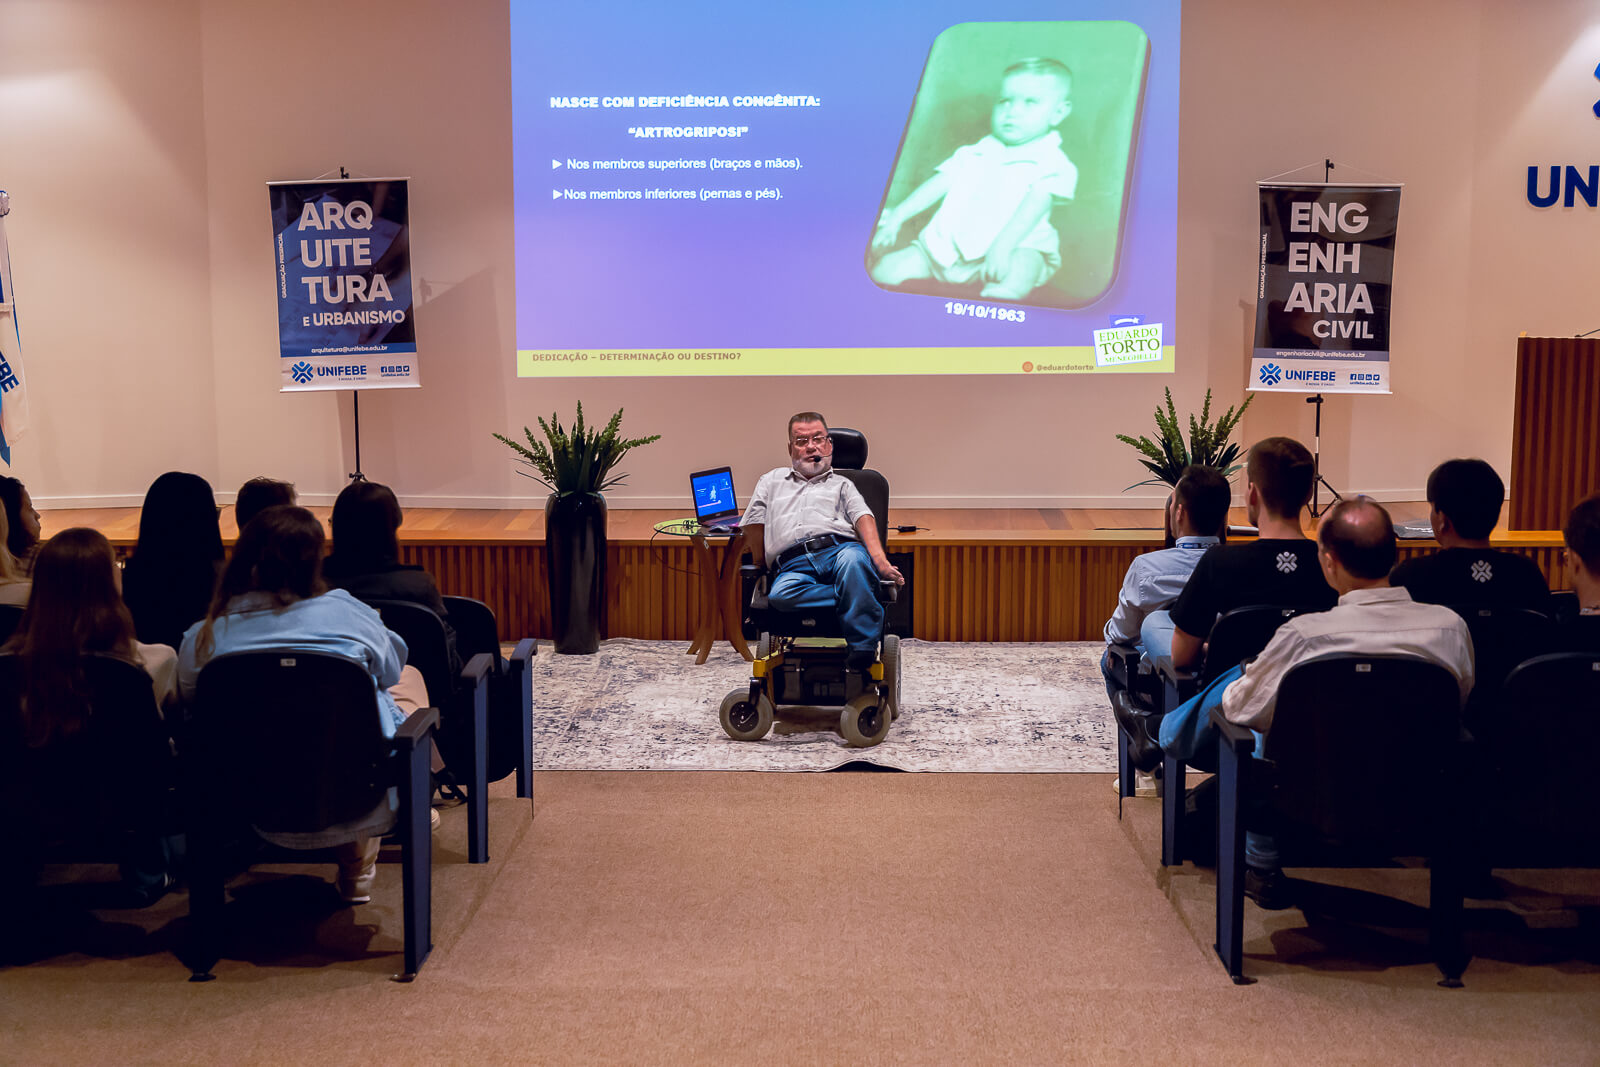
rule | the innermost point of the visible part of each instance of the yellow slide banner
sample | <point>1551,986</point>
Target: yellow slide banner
<point>758,362</point>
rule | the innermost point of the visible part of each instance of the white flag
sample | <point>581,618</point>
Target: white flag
<point>13,387</point>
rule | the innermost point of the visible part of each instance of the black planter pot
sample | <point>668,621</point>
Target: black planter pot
<point>575,569</point>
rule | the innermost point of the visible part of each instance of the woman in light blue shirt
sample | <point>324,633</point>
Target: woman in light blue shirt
<point>272,598</point>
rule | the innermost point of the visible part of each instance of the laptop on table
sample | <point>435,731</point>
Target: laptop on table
<point>716,506</point>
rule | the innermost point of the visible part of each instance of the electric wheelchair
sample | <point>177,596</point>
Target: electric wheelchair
<point>800,655</point>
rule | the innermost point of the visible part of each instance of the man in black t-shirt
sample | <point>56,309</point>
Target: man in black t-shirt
<point>1280,567</point>
<point>1464,498</point>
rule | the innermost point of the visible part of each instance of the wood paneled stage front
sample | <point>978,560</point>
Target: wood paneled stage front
<point>1021,574</point>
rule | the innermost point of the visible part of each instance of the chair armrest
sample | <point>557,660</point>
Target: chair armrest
<point>1171,672</point>
<point>418,725</point>
<point>888,590</point>
<point>753,570</point>
<point>1124,661</point>
<point>526,649</point>
<point>478,669</point>
<point>1241,739</point>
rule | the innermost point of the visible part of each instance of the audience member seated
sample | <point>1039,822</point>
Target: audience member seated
<point>1582,537</point>
<point>1197,510</point>
<point>365,560</point>
<point>1355,555</point>
<point>22,523</point>
<point>77,610</point>
<point>1465,497</point>
<point>272,597</point>
<point>14,585</point>
<point>257,495</point>
<point>1280,567</point>
<point>170,577</point>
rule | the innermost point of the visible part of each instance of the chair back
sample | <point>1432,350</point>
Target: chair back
<point>1241,633</point>
<point>10,617</point>
<point>115,774</point>
<point>1538,805</point>
<point>289,741</point>
<point>1564,605</point>
<point>1361,747</point>
<point>1501,639</point>
<point>476,629</point>
<point>423,633</point>
<point>850,459</point>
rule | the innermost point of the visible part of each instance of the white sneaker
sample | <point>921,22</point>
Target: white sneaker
<point>358,870</point>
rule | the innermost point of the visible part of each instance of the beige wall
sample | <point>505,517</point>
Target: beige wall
<point>136,138</point>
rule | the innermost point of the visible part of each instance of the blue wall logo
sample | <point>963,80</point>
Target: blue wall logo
<point>1271,374</point>
<point>301,372</point>
<point>1568,184</point>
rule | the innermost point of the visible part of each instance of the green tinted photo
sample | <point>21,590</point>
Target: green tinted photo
<point>1012,176</point>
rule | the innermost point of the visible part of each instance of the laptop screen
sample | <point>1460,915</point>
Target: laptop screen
<point>713,494</point>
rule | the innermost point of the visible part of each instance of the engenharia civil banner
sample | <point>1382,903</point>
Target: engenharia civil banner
<point>1323,293</point>
<point>343,254</point>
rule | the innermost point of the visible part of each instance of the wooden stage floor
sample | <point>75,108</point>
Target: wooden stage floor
<point>1018,574</point>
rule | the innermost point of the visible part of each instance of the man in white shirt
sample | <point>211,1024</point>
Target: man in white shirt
<point>1356,549</point>
<point>819,537</point>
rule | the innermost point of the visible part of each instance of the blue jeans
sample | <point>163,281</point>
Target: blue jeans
<point>841,577</point>
<point>1187,734</point>
<point>1155,634</point>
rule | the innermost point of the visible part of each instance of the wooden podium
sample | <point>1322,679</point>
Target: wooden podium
<point>1555,431</point>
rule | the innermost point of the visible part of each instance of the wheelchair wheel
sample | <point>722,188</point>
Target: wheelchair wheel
<point>744,721</point>
<point>864,721</point>
<point>891,673</point>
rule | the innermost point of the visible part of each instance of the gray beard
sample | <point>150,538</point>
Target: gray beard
<point>826,466</point>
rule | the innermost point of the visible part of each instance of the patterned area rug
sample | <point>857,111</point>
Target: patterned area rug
<point>645,705</point>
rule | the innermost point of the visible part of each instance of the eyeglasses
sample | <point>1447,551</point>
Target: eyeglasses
<point>818,439</point>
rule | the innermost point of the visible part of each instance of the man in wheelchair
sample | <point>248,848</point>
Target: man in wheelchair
<point>820,542</point>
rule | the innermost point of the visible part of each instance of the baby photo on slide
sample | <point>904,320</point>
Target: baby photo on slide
<point>1011,182</point>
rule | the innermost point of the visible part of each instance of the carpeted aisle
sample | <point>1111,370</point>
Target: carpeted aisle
<point>714,917</point>
<point>997,707</point>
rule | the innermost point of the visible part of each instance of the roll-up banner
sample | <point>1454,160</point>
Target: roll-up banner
<point>1323,292</point>
<point>343,251</point>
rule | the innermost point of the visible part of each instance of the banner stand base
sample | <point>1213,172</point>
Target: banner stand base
<point>1317,480</point>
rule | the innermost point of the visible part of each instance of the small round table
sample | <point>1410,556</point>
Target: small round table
<point>720,586</point>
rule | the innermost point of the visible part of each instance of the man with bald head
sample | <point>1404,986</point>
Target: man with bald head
<point>1356,551</point>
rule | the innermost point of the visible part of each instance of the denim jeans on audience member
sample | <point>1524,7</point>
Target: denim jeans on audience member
<point>841,576</point>
<point>1187,734</point>
<point>1155,634</point>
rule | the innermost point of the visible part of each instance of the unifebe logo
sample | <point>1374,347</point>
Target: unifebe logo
<point>1271,374</point>
<point>301,372</point>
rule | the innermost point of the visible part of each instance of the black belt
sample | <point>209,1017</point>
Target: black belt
<point>812,544</point>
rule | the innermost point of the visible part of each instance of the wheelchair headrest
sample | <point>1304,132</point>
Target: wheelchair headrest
<point>849,448</point>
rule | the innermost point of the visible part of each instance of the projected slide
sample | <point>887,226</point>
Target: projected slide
<point>717,188</point>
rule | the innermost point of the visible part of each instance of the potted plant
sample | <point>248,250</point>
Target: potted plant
<point>576,467</point>
<point>1208,445</point>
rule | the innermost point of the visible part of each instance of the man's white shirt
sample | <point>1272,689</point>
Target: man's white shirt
<point>793,508</point>
<point>1365,621</point>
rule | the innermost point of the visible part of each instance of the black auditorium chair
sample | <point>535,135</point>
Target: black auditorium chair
<point>463,703</point>
<point>1564,606</point>
<point>102,794</point>
<point>800,656</point>
<point>1360,766</point>
<point>1535,802</point>
<point>510,727</point>
<point>1236,636</point>
<point>291,742</point>
<point>1501,639</point>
